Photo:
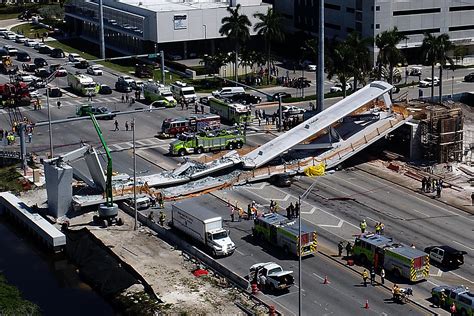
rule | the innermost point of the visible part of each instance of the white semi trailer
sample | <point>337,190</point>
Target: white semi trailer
<point>202,225</point>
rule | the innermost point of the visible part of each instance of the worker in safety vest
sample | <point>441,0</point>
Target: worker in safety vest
<point>162,218</point>
<point>365,276</point>
<point>363,226</point>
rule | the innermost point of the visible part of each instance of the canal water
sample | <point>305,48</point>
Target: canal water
<point>51,283</point>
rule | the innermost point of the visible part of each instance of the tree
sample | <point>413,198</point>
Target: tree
<point>389,54</point>
<point>213,63</point>
<point>434,50</point>
<point>460,52</point>
<point>269,28</point>
<point>361,64</point>
<point>339,63</point>
<point>236,27</point>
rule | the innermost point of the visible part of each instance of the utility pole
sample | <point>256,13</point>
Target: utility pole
<point>300,271</point>
<point>280,114</point>
<point>51,153</point>
<point>102,38</point>
<point>134,176</point>
<point>22,128</point>
<point>162,57</point>
<point>320,76</point>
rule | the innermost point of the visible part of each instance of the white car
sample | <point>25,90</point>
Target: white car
<point>75,58</point>
<point>10,49</point>
<point>292,110</point>
<point>34,94</point>
<point>30,42</point>
<point>338,87</point>
<point>137,85</point>
<point>425,83</point>
<point>37,46</point>
<point>95,70</point>
<point>26,78</point>
<point>311,67</point>
<point>9,35</point>
<point>20,39</point>
<point>127,79</point>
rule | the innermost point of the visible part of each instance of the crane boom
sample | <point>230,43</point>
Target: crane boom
<point>108,185</point>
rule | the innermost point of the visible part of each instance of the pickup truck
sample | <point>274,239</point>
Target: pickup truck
<point>459,295</point>
<point>277,279</point>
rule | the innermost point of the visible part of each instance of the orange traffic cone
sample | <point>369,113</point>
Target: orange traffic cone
<point>366,304</point>
<point>326,281</point>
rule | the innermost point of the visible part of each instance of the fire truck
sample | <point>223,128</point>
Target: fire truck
<point>401,260</point>
<point>173,126</point>
<point>15,94</point>
<point>280,231</point>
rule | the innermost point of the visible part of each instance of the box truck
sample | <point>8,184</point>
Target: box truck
<point>202,225</point>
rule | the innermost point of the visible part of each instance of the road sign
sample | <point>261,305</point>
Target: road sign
<point>152,55</point>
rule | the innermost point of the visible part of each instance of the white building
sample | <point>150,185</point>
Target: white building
<point>136,25</point>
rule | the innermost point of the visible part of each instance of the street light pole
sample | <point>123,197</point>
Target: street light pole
<point>135,227</point>
<point>452,86</point>
<point>51,153</point>
<point>280,114</point>
<point>102,37</point>
<point>300,274</point>
<point>320,70</point>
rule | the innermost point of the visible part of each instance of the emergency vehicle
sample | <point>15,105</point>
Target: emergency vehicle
<point>154,91</point>
<point>230,112</point>
<point>182,90</point>
<point>82,84</point>
<point>402,260</point>
<point>282,232</point>
<point>173,126</point>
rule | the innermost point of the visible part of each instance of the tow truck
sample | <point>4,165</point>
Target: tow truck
<point>205,141</point>
<point>282,232</point>
<point>401,260</point>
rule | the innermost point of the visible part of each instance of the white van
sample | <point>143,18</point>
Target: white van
<point>143,202</point>
<point>228,92</point>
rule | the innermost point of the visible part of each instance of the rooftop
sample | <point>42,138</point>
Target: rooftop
<point>177,5</point>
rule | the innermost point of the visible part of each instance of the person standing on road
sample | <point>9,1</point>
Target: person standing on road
<point>438,191</point>
<point>382,276</point>
<point>377,228</point>
<point>126,98</point>
<point>340,247</point>
<point>363,226</point>
<point>126,126</point>
<point>452,309</point>
<point>472,198</point>
<point>162,218</point>
<point>58,104</point>
<point>232,215</point>
<point>116,126</point>
<point>132,126</point>
<point>348,249</point>
<point>202,108</point>
<point>423,184</point>
<point>123,98</point>
<point>372,276</point>
<point>365,276</point>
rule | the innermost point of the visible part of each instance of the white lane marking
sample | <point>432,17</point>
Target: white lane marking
<point>339,225</point>
<point>335,189</point>
<point>318,276</point>
<point>421,213</point>
<point>418,198</point>
<point>239,252</point>
<point>440,273</point>
<point>457,242</point>
<point>373,220</point>
<point>461,277</point>
<point>431,282</point>
<point>310,211</point>
<point>259,187</point>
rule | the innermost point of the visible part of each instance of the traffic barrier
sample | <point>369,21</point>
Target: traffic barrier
<point>366,304</point>
<point>326,281</point>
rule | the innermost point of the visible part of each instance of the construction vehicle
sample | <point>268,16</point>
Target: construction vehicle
<point>144,71</point>
<point>401,260</point>
<point>82,84</point>
<point>154,91</point>
<point>174,126</point>
<point>233,113</point>
<point>108,211</point>
<point>276,279</point>
<point>205,141</point>
<point>15,94</point>
<point>181,90</point>
<point>277,230</point>
<point>7,67</point>
<point>203,226</point>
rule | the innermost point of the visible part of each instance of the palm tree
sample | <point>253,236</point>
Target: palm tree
<point>339,63</point>
<point>269,28</point>
<point>361,64</point>
<point>434,49</point>
<point>389,54</point>
<point>213,63</point>
<point>237,28</point>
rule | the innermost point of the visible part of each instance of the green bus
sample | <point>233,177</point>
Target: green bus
<point>230,112</point>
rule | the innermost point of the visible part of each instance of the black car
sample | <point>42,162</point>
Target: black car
<point>55,92</point>
<point>245,98</point>
<point>123,86</point>
<point>105,89</point>
<point>469,77</point>
<point>83,64</point>
<point>23,56</point>
<point>280,180</point>
<point>283,95</point>
<point>29,67</point>
<point>204,100</point>
<point>38,83</point>
<point>101,111</point>
<point>40,62</point>
<point>57,53</point>
<point>446,256</point>
<point>42,73</point>
<point>45,50</point>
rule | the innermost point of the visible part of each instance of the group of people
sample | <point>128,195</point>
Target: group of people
<point>293,211</point>
<point>430,185</point>
<point>379,227</point>
<point>128,127</point>
<point>10,136</point>
<point>130,100</point>
<point>365,276</point>
<point>340,248</point>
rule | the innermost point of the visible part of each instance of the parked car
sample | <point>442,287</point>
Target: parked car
<point>45,50</point>
<point>338,87</point>
<point>276,278</point>
<point>292,110</point>
<point>173,56</point>
<point>20,39</point>
<point>425,83</point>
<point>29,67</point>
<point>245,98</point>
<point>126,79</point>
<point>30,43</point>
<point>83,64</point>
<point>280,180</point>
<point>42,73</point>
<point>446,256</point>
<point>23,56</point>
<point>40,62</point>
<point>123,86</point>
<point>103,110</point>
<point>25,77</point>
<point>469,77</point>
<point>95,70</point>
<point>57,53</point>
<point>416,71</point>
<point>105,89</point>
<point>39,45</point>
<point>10,50</point>
<point>137,85</point>
<point>284,95</point>
<point>74,57</point>
<point>9,36</point>
<point>311,67</point>
<point>38,83</point>
<point>60,71</point>
<point>55,92</point>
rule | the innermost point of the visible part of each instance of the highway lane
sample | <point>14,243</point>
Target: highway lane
<point>343,296</point>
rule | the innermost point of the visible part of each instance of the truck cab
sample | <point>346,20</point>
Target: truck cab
<point>220,243</point>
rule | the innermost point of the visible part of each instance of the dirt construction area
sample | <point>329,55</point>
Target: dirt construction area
<point>169,272</point>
